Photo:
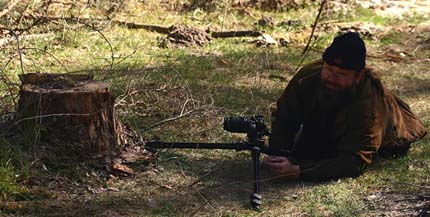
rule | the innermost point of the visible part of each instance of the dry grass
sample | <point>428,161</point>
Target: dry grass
<point>225,77</point>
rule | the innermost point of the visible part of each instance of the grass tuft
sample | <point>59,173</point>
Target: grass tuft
<point>12,169</point>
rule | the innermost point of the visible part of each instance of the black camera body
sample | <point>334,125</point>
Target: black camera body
<point>254,127</point>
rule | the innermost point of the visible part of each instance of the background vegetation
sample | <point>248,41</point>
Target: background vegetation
<point>197,86</point>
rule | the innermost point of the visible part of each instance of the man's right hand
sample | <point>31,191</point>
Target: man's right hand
<point>281,166</point>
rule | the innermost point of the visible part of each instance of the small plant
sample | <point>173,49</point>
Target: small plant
<point>392,37</point>
<point>12,167</point>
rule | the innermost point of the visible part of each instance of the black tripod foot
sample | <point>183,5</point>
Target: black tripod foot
<point>256,201</point>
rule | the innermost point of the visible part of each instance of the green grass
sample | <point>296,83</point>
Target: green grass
<point>392,38</point>
<point>337,199</point>
<point>12,169</point>
<point>225,77</point>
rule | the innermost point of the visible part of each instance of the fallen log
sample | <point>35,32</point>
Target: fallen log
<point>243,33</point>
<point>150,27</point>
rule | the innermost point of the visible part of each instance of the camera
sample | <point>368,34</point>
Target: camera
<point>253,126</point>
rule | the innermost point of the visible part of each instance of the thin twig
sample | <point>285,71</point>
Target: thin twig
<point>306,49</point>
<point>199,208</point>
<point>125,58</point>
<point>56,115</point>
<point>48,115</point>
<point>125,95</point>
<point>22,11</point>
<point>19,51</point>
<point>110,46</point>
<point>207,202</point>
<point>204,176</point>
<point>314,26</point>
<point>170,119</point>
<point>50,54</point>
<point>9,61</point>
<point>7,82</point>
<point>184,106</point>
<point>84,22</point>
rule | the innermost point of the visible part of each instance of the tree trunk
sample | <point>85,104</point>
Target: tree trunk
<point>68,117</point>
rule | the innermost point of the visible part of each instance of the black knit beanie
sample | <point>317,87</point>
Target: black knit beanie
<point>346,51</point>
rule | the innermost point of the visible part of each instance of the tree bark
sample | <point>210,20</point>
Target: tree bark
<point>70,117</point>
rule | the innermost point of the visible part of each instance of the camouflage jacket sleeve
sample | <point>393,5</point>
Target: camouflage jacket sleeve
<point>347,165</point>
<point>286,117</point>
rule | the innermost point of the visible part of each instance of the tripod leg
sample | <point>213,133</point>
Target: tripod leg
<point>256,196</point>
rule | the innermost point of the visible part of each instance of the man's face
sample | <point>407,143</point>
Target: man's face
<point>336,80</point>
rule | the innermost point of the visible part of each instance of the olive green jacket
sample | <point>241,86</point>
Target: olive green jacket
<point>340,143</point>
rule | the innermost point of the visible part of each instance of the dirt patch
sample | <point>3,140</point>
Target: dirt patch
<point>397,8</point>
<point>185,36</point>
<point>411,43</point>
<point>365,29</point>
<point>266,21</point>
<point>278,5</point>
<point>207,5</point>
<point>391,204</point>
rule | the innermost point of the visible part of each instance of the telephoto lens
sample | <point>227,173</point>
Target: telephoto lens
<point>237,124</point>
<point>240,125</point>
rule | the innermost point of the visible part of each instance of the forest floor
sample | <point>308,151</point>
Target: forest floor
<point>196,79</point>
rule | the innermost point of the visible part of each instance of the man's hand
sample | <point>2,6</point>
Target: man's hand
<point>282,167</point>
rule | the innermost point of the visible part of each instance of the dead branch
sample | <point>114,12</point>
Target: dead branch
<point>314,26</point>
<point>153,28</point>
<point>9,7</point>
<point>228,34</point>
<point>167,30</point>
<point>86,21</point>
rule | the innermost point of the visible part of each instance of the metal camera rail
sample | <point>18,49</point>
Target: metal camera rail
<point>255,129</point>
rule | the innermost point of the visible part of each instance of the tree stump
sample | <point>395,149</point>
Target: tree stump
<point>70,116</point>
